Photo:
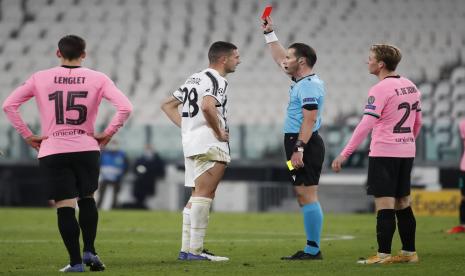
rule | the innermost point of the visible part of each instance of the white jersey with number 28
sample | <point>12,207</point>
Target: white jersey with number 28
<point>197,136</point>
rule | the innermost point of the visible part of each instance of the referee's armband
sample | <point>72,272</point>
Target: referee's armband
<point>310,107</point>
<point>270,37</point>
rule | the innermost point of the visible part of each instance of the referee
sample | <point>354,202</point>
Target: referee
<point>305,149</point>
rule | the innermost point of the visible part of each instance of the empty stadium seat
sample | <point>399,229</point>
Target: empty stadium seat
<point>458,75</point>
<point>426,90</point>
<point>442,91</point>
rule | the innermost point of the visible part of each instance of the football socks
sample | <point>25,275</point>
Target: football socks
<point>406,224</point>
<point>88,220</point>
<point>186,230</point>
<point>313,222</point>
<point>199,222</point>
<point>69,230</point>
<point>385,228</point>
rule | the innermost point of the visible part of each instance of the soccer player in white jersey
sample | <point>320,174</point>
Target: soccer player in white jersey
<point>205,142</point>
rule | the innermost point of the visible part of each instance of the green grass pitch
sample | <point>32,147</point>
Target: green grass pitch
<point>147,243</point>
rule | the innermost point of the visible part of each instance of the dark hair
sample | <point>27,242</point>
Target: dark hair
<point>71,46</point>
<point>303,50</point>
<point>389,54</point>
<point>219,49</point>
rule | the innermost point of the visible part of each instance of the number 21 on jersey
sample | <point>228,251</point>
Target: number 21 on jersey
<point>399,128</point>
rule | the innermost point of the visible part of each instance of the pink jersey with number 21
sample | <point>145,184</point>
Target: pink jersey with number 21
<point>68,101</point>
<point>395,101</point>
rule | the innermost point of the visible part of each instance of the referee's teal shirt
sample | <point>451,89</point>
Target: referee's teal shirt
<point>309,90</point>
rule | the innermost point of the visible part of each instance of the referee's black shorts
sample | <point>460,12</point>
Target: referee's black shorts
<point>314,155</point>
<point>389,176</point>
<point>73,174</point>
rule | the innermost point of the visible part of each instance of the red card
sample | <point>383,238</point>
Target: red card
<point>267,11</point>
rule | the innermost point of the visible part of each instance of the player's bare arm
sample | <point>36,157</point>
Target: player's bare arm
<point>337,163</point>
<point>211,116</point>
<point>306,129</point>
<point>277,50</point>
<point>170,108</point>
<point>103,139</point>
<point>34,141</point>
<point>305,133</point>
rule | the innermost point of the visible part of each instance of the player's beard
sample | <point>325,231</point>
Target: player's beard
<point>231,69</point>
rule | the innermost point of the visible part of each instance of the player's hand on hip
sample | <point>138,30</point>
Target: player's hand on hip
<point>297,160</point>
<point>268,27</point>
<point>223,136</point>
<point>103,139</point>
<point>337,163</point>
<point>35,141</point>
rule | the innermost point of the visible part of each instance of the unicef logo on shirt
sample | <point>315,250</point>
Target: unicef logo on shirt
<point>371,100</point>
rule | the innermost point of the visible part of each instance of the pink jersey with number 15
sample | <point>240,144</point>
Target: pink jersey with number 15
<point>68,99</point>
<point>395,101</point>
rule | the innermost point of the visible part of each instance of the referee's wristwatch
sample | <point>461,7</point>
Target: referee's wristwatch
<point>299,146</point>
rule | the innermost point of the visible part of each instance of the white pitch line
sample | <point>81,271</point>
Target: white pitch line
<point>337,237</point>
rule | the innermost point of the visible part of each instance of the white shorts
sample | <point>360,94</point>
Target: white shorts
<point>198,164</point>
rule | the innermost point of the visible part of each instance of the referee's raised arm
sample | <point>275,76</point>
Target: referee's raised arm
<point>277,50</point>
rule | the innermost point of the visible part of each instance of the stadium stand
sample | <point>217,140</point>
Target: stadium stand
<point>149,48</point>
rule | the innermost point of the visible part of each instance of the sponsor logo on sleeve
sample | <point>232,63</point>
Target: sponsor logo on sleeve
<point>371,100</point>
<point>370,105</point>
<point>307,100</point>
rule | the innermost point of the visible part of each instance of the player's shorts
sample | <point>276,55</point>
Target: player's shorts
<point>462,182</point>
<point>314,155</point>
<point>389,176</point>
<point>73,174</point>
<point>198,164</point>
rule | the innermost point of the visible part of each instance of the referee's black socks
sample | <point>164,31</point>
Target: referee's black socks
<point>407,226</point>
<point>88,220</point>
<point>69,230</point>
<point>385,228</point>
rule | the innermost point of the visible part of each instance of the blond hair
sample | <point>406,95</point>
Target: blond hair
<point>389,54</point>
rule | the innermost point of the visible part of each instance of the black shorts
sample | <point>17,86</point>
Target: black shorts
<point>73,174</point>
<point>314,155</point>
<point>389,176</point>
<point>462,182</point>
